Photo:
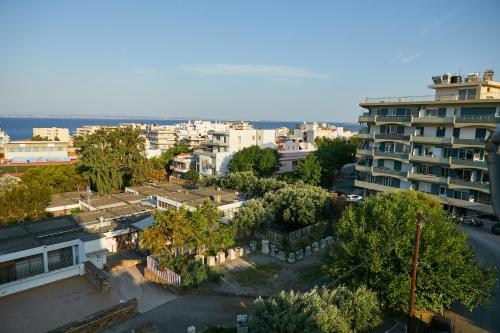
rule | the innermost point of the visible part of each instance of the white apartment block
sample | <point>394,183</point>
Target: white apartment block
<point>162,137</point>
<point>36,151</point>
<point>4,138</point>
<point>433,145</point>
<point>308,133</point>
<point>213,158</point>
<point>91,129</point>
<point>53,133</point>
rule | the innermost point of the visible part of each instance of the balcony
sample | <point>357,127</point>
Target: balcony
<point>431,159</point>
<point>461,163</point>
<point>380,120</point>
<point>478,206</point>
<point>476,120</point>
<point>362,168</point>
<point>366,118</point>
<point>432,120</point>
<point>365,135</point>
<point>389,154</point>
<point>364,152</point>
<point>430,139</point>
<point>427,178</point>
<point>462,143</point>
<point>456,183</point>
<point>215,143</point>
<point>392,136</point>
<point>388,172</point>
<point>375,187</point>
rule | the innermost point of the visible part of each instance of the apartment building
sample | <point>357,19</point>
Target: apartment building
<point>4,138</point>
<point>52,133</point>
<point>91,129</point>
<point>213,157</point>
<point>36,151</point>
<point>308,133</point>
<point>433,144</point>
<point>162,137</point>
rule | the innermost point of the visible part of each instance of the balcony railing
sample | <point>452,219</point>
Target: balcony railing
<point>392,136</point>
<point>363,168</point>
<point>389,172</point>
<point>427,178</point>
<point>392,119</point>
<point>461,183</point>
<point>366,118</point>
<point>479,206</point>
<point>477,119</point>
<point>432,120</point>
<point>455,162</point>
<point>432,159</point>
<point>431,98</point>
<point>390,154</point>
<point>469,142</point>
<point>367,152</point>
<point>374,186</point>
<point>365,135</point>
<point>430,139</point>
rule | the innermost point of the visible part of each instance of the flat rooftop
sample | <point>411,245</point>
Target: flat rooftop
<point>65,199</point>
<point>99,202</point>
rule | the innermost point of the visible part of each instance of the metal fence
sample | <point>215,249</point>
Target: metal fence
<point>164,273</point>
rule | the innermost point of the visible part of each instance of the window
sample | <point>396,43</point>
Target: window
<point>462,195</point>
<point>456,133</point>
<point>29,266</point>
<point>440,131</point>
<point>426,169</point>
<point>419,131</point>
<point>444,172</point>
<point>60,258</point>
<point>468,93</point>
<point>442,190</point>
<point>480,133</point>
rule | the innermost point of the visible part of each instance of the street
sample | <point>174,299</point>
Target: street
<point>481,319</point>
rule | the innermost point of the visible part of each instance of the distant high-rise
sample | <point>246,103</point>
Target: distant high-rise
<point>433,145</point>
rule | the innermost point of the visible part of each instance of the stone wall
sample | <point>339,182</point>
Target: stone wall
<point>98,277</point>
<point>123,264</point>
<point>101,319</point>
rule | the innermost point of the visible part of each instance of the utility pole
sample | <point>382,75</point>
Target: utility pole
<point>411,312</point>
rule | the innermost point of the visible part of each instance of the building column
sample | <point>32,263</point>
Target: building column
<point>45,261</point>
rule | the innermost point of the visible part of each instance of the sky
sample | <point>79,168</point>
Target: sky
<point>251,60</point>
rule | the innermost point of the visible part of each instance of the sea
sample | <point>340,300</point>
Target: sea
<point>19,128</point>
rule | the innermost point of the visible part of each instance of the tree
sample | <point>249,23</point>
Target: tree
<point>157,168</point>
<point>54,178</point>
<point>254,215</point>
<point>332,155</point>
<point>247,182</point>
<point>111,159</point>
<point>377,240</point>
<point>309,170</point>
<point>337,310</point>
<point>22,202</point>
<point>263,162</point>
<point>39,138</point>
<point>7,182</point>
<point>192,175</point>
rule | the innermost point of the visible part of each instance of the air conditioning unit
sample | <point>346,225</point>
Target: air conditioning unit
<point>436,79</point>
<point>488,75</point>
<point>446,78</point>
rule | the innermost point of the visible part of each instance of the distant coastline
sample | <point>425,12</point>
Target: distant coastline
<point>20,127</point>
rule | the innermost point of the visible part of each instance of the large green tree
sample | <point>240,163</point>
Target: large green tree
<point>112,159</point>
<point>22,202</point>
<point>309,170</point>
<point>54,178</point>
<point>341,310</point>
<point>332,155</point>
<point>263,162</point>
<point>377,240</point>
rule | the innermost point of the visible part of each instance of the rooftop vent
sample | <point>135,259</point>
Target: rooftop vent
<point>472,77</point>
<point>488,75</point>
<point>446,78</point>
<point>436,79</point>
<point>456,79</point>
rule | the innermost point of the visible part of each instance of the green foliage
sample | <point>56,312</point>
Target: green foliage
<point>39,138</point>
<point>263,162</point>
<point>309,170</point>
<point>297,206</point>
<point>337,310</point>
<point>54,178</point>
<point>156,168</point>
<point>247,182</point>
<point>176,231</point>
<point>112,159</point>
<point>253,216</point>
<point>192,175</point>
<point>332,155</point>
<point>7,182</point>
<point>192,272</point>
<point>380,233</point>
<point>23,202</point>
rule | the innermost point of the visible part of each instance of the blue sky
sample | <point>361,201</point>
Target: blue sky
<point>271,60</point>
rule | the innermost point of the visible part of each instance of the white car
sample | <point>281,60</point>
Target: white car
<point>354,198</point>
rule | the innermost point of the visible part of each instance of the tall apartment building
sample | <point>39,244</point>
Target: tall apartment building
<point>213,157</point>
<point>53,133</point>
<point>162,138</point>
<point>433,144</point>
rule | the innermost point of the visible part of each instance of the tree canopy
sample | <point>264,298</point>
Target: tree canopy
<point>112,159</point>
<point>379,237</point>
<point>340,310</point>
<point>22,202</point>
<point>310,170</point>
<point>332,154</point>
<point>54,178</point>
<point>263,162</point>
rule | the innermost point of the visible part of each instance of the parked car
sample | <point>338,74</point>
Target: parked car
<point>354,198</point>
<point>440,324</point>
<point>495,229</point>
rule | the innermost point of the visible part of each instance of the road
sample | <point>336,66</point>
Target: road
<point>179,314</point>
<point>481,319</point>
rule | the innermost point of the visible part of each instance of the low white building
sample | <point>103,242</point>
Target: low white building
<point>214,156</point>
<point>52,133</point>
<point>36,151</point>
<point>289,160</point>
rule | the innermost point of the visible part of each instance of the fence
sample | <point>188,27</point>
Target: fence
<point>164,273</point>
<point>277,237</point>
